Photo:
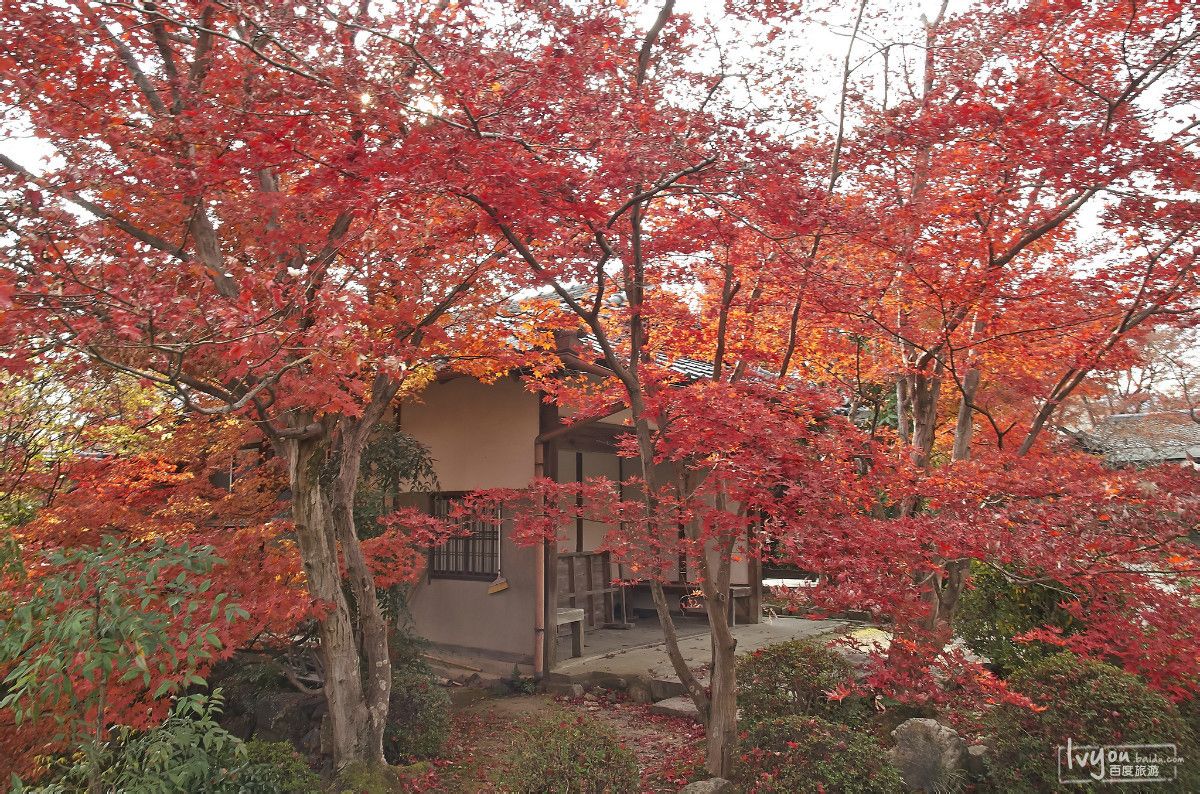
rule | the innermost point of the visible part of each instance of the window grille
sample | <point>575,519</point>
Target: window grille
<point>474,554</point>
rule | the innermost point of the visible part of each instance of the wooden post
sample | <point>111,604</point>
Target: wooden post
<point>546,465</point>
<point>754,606</point>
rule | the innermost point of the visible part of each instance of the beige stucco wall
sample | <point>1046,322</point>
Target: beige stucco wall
<point>480,436</point>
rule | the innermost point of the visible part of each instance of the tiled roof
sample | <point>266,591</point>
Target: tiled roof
<point>690,368</point>
<point>1146,438</point>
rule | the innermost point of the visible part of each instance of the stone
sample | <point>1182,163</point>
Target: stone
<point>714,785</point>
<point>676,707</point>
<point>859,660</point>
<point>929,755</point>
<point>310,743</point>
<point>661,689</point>
<point>285,716</point>
<point>565,689</point>
<point>977,760</point>
<point>614,683</point>
<point>640,693</point>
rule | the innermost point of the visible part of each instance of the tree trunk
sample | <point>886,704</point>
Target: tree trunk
<point>722,719</point>
<point>964,427</point>
<point>721,735</point>
<point>682,672</point>
<point>348,715</point>
<point>947,595</point>
<point>926,389</point>
<point>373,630</point>
<point>923,391</point>
<point>948,591</point>
<point>903,410</point>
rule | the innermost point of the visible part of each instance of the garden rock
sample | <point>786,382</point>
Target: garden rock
<point>661,689</point>
<point>714,785</point>
<point>929,755</point>
<point>613,683</point>
<point>640,693</point>
<point>563,689</point>
<point>977,760</point>
<point>676,707</point>
<point>284,716</point>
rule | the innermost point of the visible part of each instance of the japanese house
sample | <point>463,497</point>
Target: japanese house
<point>501,435</point>
<point>1146,439</point>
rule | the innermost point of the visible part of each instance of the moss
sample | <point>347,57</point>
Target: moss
<point>276,767</point>
<point>362,778</point>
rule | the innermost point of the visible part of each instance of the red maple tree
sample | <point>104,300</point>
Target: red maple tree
<point>286,212</point>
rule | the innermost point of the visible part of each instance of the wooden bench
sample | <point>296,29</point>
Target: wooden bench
<point>573,618</point>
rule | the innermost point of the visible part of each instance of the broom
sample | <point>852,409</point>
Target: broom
<point>499,584</point>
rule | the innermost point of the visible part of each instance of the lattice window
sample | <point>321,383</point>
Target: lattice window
<point>472,555</point>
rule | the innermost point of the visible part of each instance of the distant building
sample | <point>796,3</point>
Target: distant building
<point>1146,439</point>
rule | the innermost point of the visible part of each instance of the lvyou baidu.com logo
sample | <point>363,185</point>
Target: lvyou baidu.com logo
<point>1117,763</point>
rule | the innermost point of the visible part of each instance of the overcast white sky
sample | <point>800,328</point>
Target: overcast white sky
<point>826,42</point>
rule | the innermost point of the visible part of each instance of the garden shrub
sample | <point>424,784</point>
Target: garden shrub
<point>810,754</point>
<point>1190,711</point>
<point>275,767</point>
<point>418,718</point>
<point>570,754</point>
<point>188,752</point>
<point>994,610</point>
<point>1089,702</point>
<point>794,679</point>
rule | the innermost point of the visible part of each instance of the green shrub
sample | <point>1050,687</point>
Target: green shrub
<point>188,752</point>
<point>809,754</point>
<point>275,768</point>
<point>419,716</point>
<point>126,612</point>
<point>1190,711</point>
<point>569,754</point>
<point>794,679</point>
<point>994,610</point>
<point>1090,703</point>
